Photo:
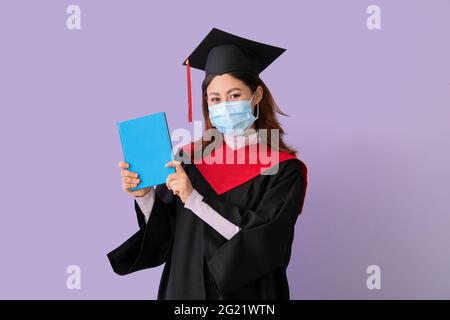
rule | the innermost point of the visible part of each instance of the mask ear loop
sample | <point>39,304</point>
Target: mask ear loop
<point>257,105</point>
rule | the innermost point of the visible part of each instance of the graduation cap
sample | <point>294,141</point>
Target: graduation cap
<point>221,52</point>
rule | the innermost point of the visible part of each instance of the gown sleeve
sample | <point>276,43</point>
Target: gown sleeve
<point>150,246</point>
<point>210,216</point>
<point>266,232</point>
<point>146,202</point>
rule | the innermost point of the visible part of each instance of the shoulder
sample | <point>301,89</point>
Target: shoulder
<point>295,164</point>
<point>289,168</point>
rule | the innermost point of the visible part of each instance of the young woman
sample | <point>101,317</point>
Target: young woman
<point>223,229</point>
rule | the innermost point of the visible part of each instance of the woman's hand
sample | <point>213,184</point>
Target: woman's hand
<point>131,180</point>
<point>179,181</point>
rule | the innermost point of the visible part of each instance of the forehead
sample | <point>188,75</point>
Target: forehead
<point>222,83</point>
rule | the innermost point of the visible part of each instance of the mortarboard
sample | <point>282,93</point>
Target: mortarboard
<point>221,52</point>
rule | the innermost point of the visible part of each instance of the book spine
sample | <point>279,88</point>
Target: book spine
<point>122,143</point>
<point>168,135</point>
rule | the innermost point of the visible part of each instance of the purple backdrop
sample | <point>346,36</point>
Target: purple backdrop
<point>369,114</point>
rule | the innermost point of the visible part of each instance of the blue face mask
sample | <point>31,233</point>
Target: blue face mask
<point>232,117</point>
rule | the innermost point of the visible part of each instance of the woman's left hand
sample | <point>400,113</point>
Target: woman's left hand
<point>179,181</point>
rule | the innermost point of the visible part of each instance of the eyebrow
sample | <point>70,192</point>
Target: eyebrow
<point>215,93</point>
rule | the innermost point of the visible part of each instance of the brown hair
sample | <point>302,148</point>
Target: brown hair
<point>268,110</point>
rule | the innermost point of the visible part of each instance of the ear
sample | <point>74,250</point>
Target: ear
<point>258,95</point>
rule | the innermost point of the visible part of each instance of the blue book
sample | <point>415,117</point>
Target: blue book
<point>147,147</point>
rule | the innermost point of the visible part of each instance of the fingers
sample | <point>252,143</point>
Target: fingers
<point>176,164</point>
<point>127,186</point>
<point>123,165</point>
<point>171,177</point>
<point>174,182</point>
<point>126,173</point>
<point>178,183</point>
<point>130,180</point>
<point>177,186</point>
<point>175,177</point>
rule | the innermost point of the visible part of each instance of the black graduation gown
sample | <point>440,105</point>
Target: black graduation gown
<point>199,262</point>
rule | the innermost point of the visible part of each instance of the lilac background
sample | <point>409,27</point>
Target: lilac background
<point>369,116</point>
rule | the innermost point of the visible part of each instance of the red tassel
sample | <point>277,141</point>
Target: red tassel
<point>189,91</point>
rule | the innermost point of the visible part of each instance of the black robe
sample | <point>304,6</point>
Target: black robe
<point>199,262</point>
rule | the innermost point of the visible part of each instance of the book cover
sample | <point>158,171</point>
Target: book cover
<point>147,147</point>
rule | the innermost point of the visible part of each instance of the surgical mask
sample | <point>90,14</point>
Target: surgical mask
<point>233,117</point>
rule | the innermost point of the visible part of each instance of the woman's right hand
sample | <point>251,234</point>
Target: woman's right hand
<point>130,180</point>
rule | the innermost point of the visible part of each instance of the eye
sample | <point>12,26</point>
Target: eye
<point>214,99</point>
<point>236,95</point>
